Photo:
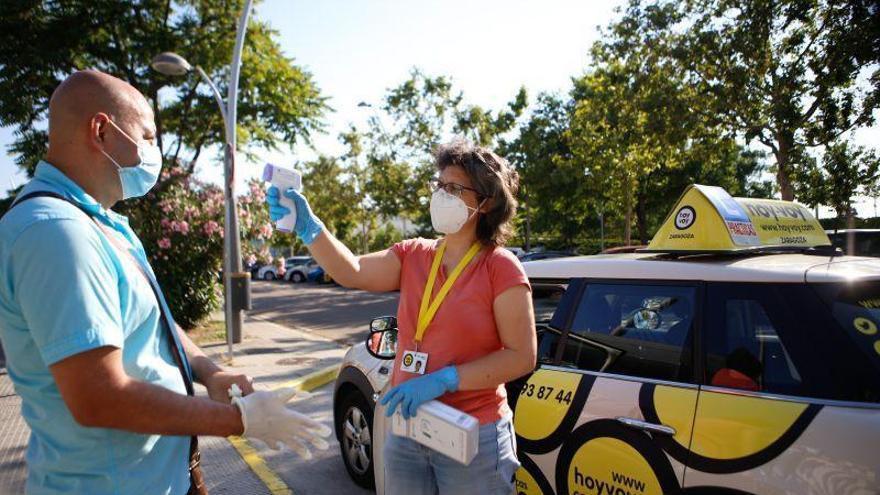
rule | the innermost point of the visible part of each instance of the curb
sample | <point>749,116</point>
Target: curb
<point>251,456</point>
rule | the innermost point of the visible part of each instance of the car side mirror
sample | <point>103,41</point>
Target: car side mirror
<point>382,341</point>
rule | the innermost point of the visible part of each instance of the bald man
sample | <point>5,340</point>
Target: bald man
<point>104,373</point>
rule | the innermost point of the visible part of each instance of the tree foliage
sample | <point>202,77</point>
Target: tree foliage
<point>789,74</point>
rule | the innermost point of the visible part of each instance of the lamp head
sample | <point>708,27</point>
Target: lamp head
<point>170,64</point>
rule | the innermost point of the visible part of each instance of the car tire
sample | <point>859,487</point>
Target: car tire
<point>268,276</point>
<point>355,420</point>
<point>298,278</point>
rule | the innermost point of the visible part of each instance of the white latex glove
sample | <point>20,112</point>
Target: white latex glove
<point>267,418</point>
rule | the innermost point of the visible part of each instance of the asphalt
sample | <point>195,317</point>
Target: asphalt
<point>275,356</point>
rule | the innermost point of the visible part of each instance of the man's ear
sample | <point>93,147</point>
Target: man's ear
<point>97,129</point>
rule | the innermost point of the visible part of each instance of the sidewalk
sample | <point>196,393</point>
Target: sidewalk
<point>273,355</point>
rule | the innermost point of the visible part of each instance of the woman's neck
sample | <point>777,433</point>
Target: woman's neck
<point>458,243</point>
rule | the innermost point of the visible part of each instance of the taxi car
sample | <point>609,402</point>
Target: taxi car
<point>738,354</point>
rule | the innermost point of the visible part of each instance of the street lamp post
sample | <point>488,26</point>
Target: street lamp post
<point>236,283</point>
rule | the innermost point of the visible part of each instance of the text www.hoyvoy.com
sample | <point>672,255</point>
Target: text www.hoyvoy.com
<point>619,484</point>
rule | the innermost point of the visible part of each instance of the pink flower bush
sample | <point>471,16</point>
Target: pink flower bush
<point>164,243</point>
<point>210,228</point>
<point>181,226</point>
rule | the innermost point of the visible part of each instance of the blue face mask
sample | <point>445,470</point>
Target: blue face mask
<point>137,180</point>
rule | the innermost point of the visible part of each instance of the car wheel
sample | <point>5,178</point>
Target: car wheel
<point>268,276</point>
<point>298,277</point>
<point>357,438</point>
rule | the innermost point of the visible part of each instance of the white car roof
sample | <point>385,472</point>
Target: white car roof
<point>781,268</point>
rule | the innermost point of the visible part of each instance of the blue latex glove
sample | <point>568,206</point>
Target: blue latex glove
<point>413,393</point>
<point>307,226</point>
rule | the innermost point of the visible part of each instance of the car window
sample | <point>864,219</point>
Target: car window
<point>747,352</point>
<point>856,309</point>
<point>784,339</point>
<point>864,243</point>
<point>633,329</point>
<point>545,299</point>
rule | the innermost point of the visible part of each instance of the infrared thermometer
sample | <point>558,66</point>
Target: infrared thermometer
<point>284,178</point>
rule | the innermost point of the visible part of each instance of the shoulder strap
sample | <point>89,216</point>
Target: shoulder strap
<point>166,319</point>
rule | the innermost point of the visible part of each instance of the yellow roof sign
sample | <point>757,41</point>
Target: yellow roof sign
<point>707,218</point>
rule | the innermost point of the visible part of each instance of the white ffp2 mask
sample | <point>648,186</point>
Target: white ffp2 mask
<point>449,213</point>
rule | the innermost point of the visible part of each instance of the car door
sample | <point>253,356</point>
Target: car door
<point>620,397</point>
<point>790,404</point>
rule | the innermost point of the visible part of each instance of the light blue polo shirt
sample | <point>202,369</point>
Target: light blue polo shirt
<point>66,290</point>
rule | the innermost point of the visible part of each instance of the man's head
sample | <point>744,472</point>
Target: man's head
<point>82,114</point>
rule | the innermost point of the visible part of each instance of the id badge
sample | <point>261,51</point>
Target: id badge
<point>414,362</point>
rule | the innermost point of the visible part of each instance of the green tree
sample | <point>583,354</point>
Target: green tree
<point>848,170</point>
<point>332,197</point>
<point>43,42</point>
<point>640,132</point>
<point>790,74</point>
<point>421,113</point>
<point>553,203</point>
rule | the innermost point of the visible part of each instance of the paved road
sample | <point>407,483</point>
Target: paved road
<point>335,313</point>
<point>339,314</point>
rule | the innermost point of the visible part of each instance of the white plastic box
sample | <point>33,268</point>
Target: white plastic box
<point>441,428</point>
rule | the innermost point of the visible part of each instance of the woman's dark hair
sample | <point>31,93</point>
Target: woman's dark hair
<point>495,181</point>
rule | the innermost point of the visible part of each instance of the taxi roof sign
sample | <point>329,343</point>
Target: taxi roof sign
<point>708,219</point>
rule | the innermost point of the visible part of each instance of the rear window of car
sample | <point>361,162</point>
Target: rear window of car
<point>856,307</point>
<point>857,244</point>
<point>812,341</point>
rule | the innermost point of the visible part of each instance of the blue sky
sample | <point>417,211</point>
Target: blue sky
<point>356,49</point>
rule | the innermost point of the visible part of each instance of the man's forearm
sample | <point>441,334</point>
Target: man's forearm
<point>141,407</point>
<point>201,364</point>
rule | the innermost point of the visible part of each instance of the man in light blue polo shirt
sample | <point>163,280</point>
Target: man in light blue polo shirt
<point>102,370</point>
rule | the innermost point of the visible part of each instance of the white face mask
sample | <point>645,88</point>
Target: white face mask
<point>449,213</point>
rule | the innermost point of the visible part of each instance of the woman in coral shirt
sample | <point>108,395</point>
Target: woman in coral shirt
<point>466,322</point>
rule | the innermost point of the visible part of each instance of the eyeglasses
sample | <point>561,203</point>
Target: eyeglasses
<point>451,188</point>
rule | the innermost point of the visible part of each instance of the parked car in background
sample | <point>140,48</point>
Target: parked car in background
<point>299,272</point>
<point>269,272</point>
<point>319,276</point>
<point>865,242</point>
<point>544,255</point>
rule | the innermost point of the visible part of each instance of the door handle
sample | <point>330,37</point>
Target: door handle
<point>646,426</point>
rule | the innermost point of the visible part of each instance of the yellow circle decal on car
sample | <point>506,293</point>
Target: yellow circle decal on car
<point>604,456</point>
<point>732,426</point>
<point>605,465</point>
<point>548,407</point>
<point>731,432</point>
<point>675,408</point>
<point>530,480</point>
<point>865,326</point>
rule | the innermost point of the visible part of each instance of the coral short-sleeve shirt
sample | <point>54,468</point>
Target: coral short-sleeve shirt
<point>463,329</point>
